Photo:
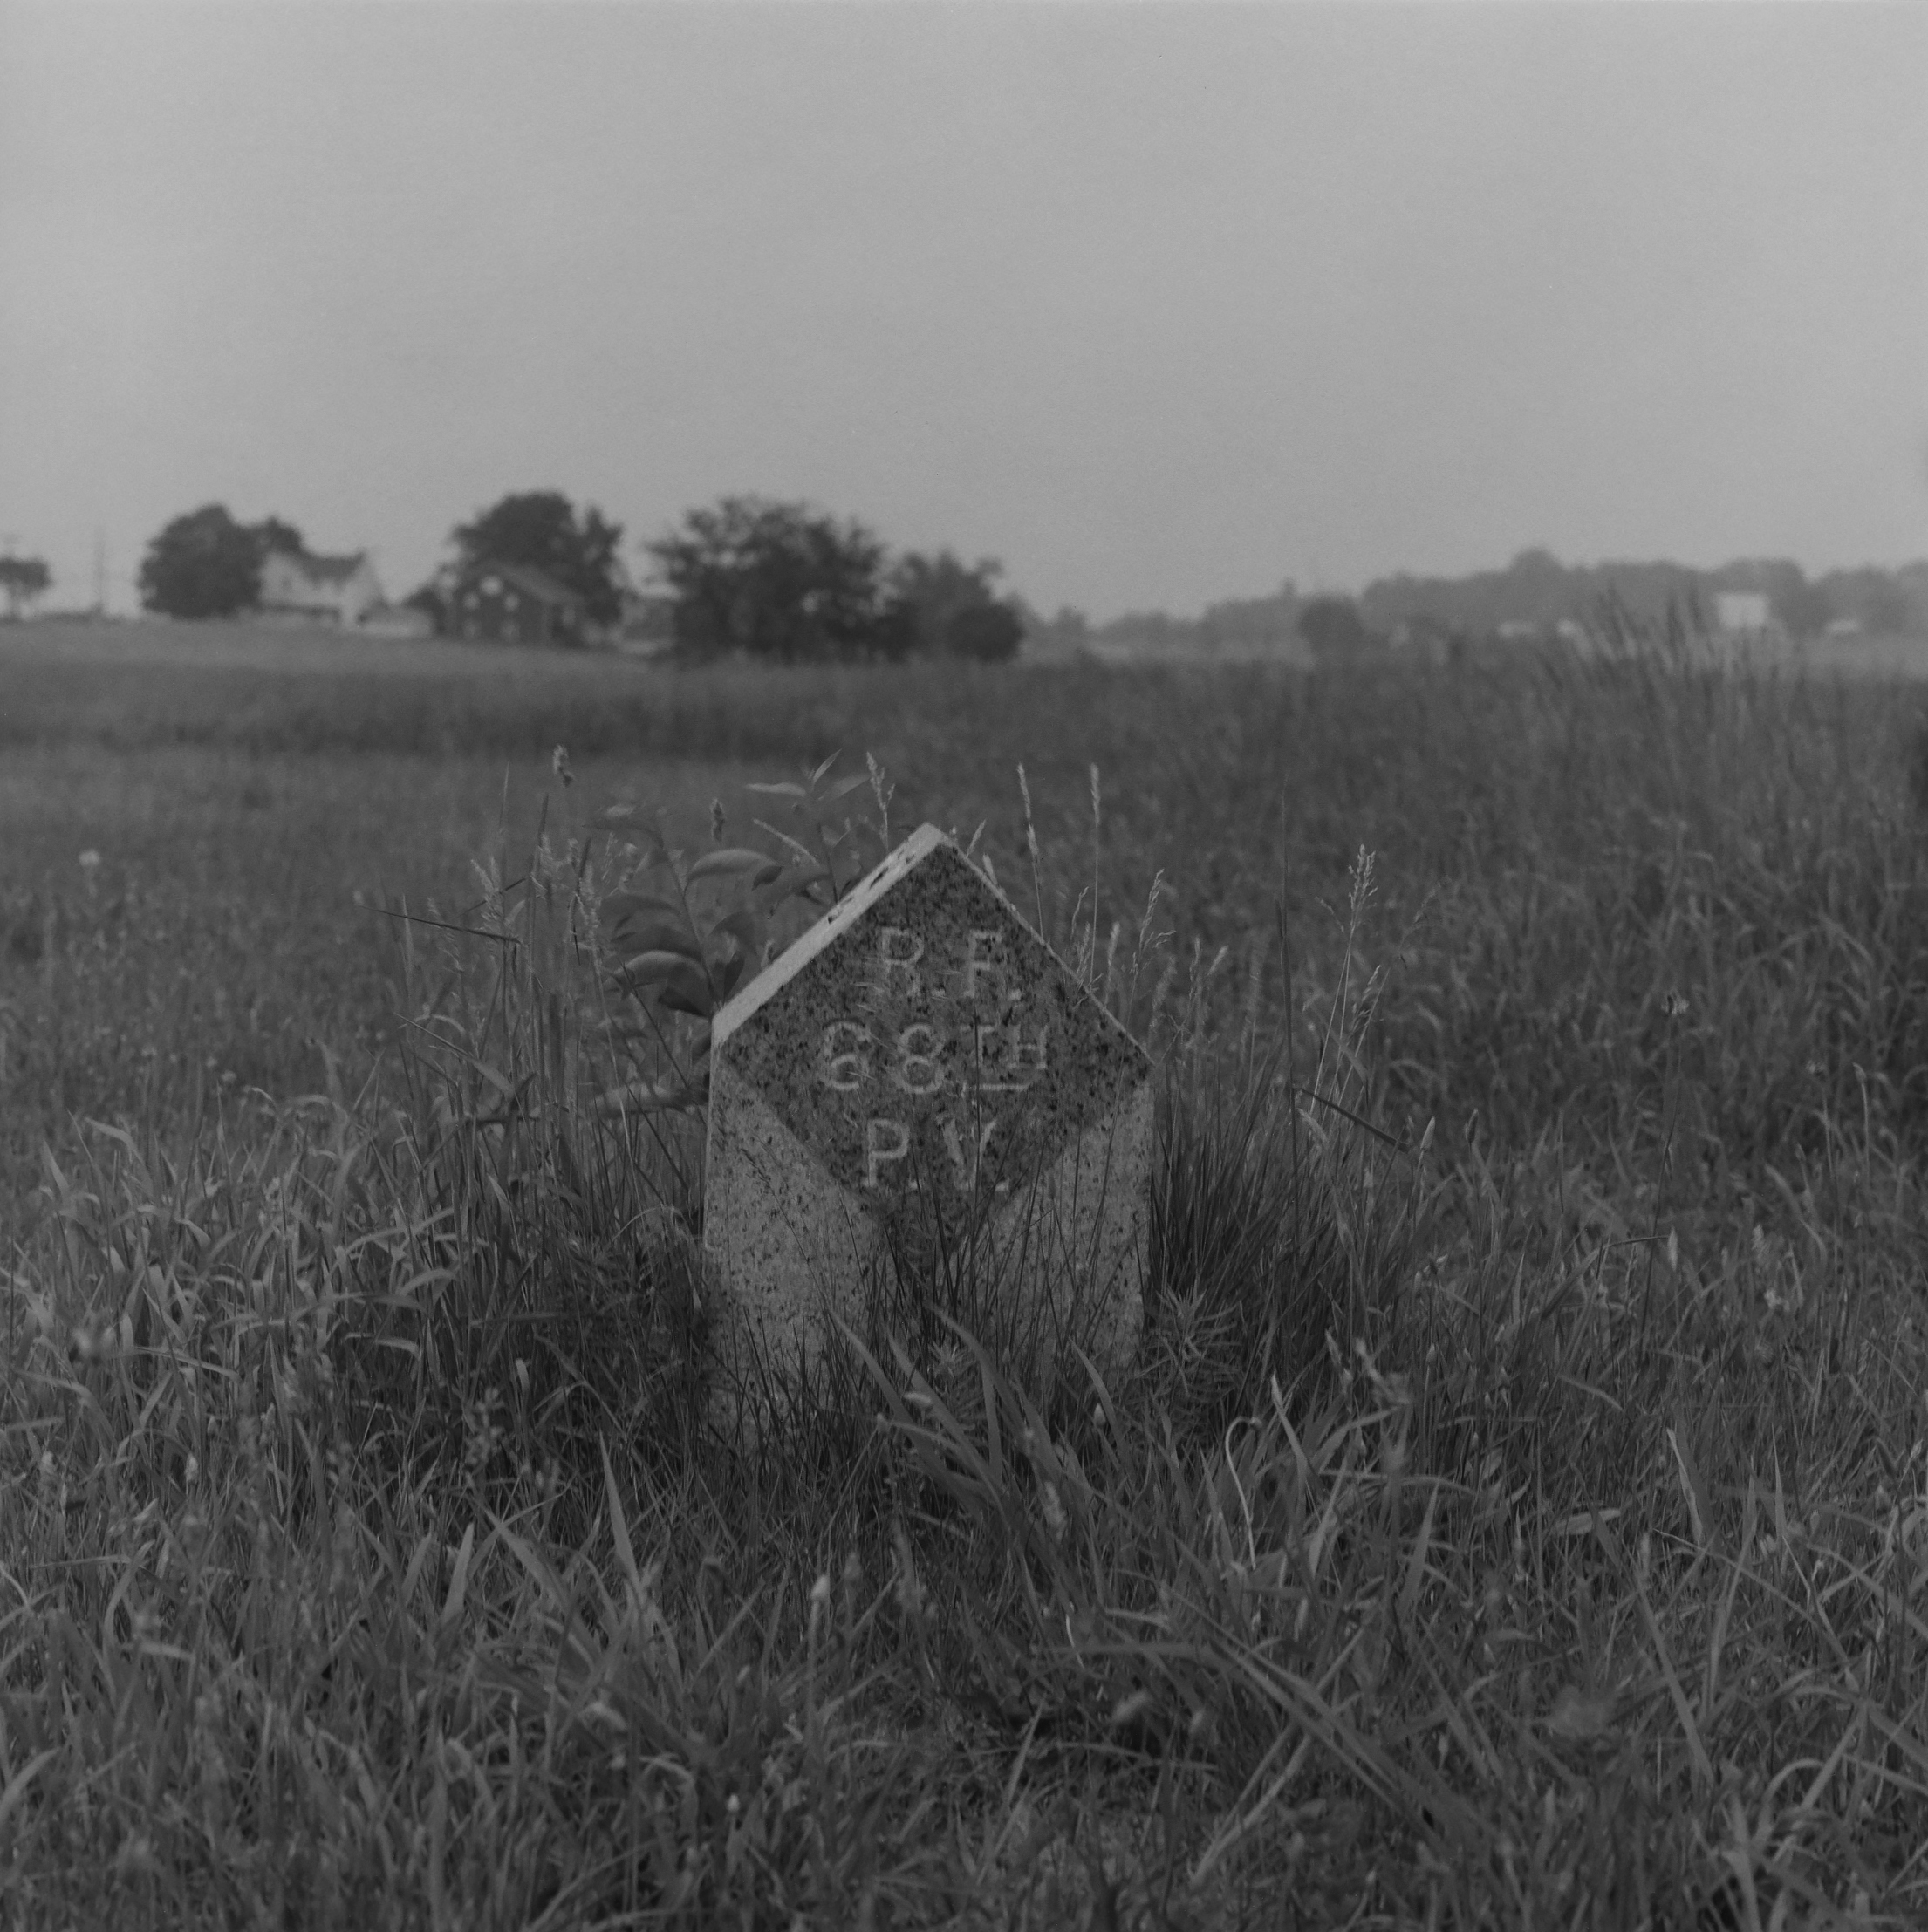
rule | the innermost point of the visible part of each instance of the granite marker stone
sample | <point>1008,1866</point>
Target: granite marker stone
<point>918,1074</point>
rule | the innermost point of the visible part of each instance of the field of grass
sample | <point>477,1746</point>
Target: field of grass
<point>1518,1515</point>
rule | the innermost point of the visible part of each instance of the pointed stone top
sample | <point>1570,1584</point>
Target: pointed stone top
<point>825,933</point>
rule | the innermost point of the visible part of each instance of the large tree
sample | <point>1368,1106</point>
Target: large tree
<point>1334,628</point>
<point>22,580</point>
<point>272,536</point>
<point>542,530</point>
<point>782,582</point>
<point>205,564</point>
<point>954,609</point>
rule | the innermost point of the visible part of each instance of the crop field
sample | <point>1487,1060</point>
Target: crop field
<point>1517,1514</point>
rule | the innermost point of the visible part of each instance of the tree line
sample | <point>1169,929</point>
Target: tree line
<point>1535,595</point>
<point>1535,590</point>
<point>782,582</point>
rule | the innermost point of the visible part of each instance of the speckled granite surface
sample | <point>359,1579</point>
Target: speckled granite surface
<point>919,1071</point>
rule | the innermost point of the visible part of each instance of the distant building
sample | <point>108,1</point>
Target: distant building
<point>336,589</point>
<point>514,603</point>
<point>1740,612</point>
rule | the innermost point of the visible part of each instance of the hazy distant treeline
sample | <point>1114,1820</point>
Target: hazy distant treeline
<point>1535,591</point>
<point>1238,628</point>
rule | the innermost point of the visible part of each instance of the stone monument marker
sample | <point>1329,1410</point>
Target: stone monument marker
<point>919,1084</point>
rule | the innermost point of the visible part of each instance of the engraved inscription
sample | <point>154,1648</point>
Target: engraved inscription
<point>885,1141</point>
<point>917,1070</point>
<point>898,951</point>
<point>935,1051</point>
<point>965,1169</point>
<point>846,1055</point>
<point>978,948</point>
<point>1007,1062</point>
<point>973,1046</point>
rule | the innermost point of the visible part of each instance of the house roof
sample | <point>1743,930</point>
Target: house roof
<point>528,579</point>
<point>326,569</point>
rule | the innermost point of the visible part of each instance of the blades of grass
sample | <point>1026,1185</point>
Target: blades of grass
<point>458,1582</point>
<point>1247,1819</point>
<point>1811,1798</point>
<point>1415,1563</point>
<point>1717,1642</point>
<point>1706,1528</point>
<point>16,1792</point>
<point>1703,1767</point>
<point>619,1525</point>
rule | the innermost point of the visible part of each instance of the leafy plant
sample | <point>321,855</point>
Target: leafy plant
<point>686,929</point>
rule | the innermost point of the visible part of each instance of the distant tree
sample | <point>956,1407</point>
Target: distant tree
<point>1264,625</point>
<point>206,565</point>
<point>1883,603</point>
<point>202,565</point>
<point>780,581</point>
<point>1886,611</point>
<point>1333,628</point>
<point>1066,635</point>
<point>273,537</point>
<point>428,598</point>
<point>23,579</point>
<point>954,609</point>
<point>542,530</point>
<point>1801,608</point>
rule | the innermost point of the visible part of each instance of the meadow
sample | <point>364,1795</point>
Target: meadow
<point>1517,1515</point>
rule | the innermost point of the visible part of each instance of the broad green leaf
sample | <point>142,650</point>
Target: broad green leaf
<point>728,862</point>
<point>741,925</point>
<point>658,934</point>
<point>786,789</point>
<point>684,986</point>
<point>795,882</point>
<point>684,998</point>
<point>648,1096</point>
<point>659,963</point>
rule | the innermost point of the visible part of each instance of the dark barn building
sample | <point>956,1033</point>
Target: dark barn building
<point>514,603</point>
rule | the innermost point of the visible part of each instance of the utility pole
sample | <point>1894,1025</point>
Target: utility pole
<point>99,572</point>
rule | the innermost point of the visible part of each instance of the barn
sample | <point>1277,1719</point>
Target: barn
<point>514,603</point>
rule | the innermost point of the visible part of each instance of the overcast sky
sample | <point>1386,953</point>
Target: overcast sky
<point>1157,304</point>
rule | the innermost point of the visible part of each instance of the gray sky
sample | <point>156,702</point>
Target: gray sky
<point>1157,304</point>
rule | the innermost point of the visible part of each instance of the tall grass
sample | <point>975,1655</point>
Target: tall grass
<point>1516,1516</point>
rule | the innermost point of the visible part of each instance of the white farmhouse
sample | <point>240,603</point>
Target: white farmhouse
<point>340,589</point>
<point>1737,612</point>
